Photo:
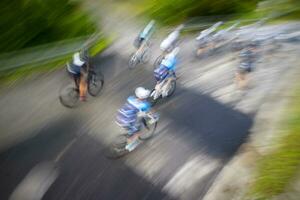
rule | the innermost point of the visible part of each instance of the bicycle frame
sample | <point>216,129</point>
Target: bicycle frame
<point>157,93</point>
<point>143,48</point>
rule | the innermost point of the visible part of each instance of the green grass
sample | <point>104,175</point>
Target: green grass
<point>9,77</point>
<point>277,170</point>
<point>293,16</point>
<point>100,45</point>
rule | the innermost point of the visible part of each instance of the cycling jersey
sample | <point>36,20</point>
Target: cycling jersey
<point>166,68</point>
<point>76,64</point>
<point>169,42</point>
<point>127,116</point>
<point>247,57</point>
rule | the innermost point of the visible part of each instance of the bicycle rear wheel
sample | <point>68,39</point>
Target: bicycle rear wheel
<point>69,96</point>
<point>146,56</point>
<point>148,130</point>
<point>172,88</point>
<point>95,83</point>
<point>117,148</point>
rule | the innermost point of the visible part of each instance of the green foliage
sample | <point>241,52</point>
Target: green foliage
<point>26,23</point>
<point>276,170</point>
<point>9,77</point>
<point>99,45</point>
<point>173,11</point>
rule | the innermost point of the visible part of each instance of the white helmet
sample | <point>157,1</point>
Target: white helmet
<point>142,93</point>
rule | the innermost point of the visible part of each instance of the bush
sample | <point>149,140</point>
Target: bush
<point>27,23</point>
<point>173,11</point>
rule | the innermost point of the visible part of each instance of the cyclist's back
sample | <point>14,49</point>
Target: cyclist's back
<point>167,66</point>
<point>247,58</point>
<point>145,34</point>
<point>75,65</point>
<point>170,41</point>
<point>128,115</point>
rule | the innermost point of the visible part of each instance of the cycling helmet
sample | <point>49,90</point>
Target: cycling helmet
<point>142,93</point>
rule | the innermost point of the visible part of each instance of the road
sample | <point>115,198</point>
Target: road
<point>54,152</point>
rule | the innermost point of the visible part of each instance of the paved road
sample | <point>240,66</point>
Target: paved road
<point>58,153</point>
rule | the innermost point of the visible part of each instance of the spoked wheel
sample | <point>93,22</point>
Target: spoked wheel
<point>95,83</point>
<point>69,96</point>
<point>146,56</point>
<point>152,99</point>
<point>158,61</point>
<point>148,130</point>
<point>117,148</point>
<point>172,88</point>
<point>133,61</point>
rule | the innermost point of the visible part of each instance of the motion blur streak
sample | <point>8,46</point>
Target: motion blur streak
<point>36,183</point>
<point>227,83</point>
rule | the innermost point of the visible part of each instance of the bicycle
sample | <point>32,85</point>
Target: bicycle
<point>142,55</point>
<point>69,95</point>
<point>122,146</point>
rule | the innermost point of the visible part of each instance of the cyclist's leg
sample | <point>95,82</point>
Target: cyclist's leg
<point>247,76</point>
<point>242,79</point>
<point>133,131</point>
<point>83,86</point>
<point>238,78</point>
<point>76,79</point>
<point>200,50</point>
<point>166,86</point>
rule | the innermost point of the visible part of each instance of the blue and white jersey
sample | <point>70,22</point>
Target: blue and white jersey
<point>148,30</point>
<point>167,65</point>
<point>247,58</point>
<point>128,114</point>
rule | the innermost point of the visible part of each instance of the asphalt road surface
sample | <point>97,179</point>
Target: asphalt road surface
<point>52,152</point>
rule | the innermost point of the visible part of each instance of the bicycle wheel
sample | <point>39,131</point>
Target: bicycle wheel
<point>148,130</point>
<point>146,56</point>
<point>117,148</point>
<point>95,83</point>
<point>152,99</point>
<point>133,61</point>
<point>172,88</point>
<point>158,61</point>
<point>69,96</point>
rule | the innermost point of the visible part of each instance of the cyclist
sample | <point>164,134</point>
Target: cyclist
<point>170,42</point>
<point>166,71</point>
<point>145,34</point>
<point>247,59</point>
<point>130,115</point>
<point>204,39</point>
<point>78,68</point>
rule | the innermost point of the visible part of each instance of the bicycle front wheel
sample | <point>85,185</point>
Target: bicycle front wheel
<point>69,96</point>
<point>133,61</point>
<point>95,83</point>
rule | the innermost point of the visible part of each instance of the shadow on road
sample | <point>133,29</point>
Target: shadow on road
<point>211,126</point>
<point>84,172</point>
<point>17,161</point>
<point>87,174</point>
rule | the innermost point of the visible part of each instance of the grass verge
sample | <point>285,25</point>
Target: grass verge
<point>276,171</point>
<point>9,77</point>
